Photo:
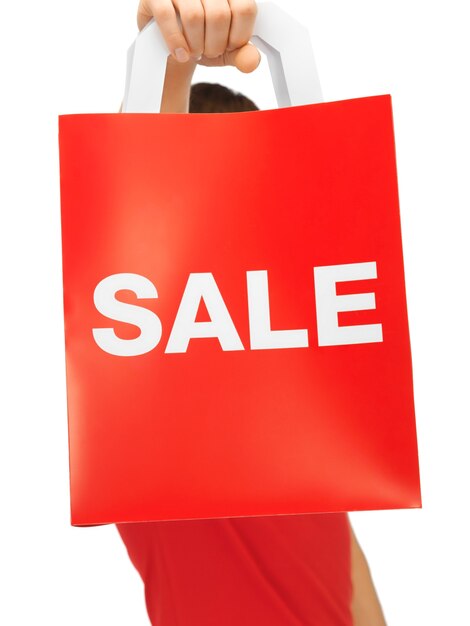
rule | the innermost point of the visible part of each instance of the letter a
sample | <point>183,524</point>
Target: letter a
<point>185,327</point>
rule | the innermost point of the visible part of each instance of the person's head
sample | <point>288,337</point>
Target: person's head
<point>215,98</point>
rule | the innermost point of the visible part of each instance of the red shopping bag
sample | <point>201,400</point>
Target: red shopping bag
<point>235,316</point>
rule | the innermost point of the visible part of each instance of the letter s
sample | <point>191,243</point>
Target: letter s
<point>106,303</point>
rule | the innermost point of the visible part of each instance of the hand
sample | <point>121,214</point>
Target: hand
<point>214,32</point>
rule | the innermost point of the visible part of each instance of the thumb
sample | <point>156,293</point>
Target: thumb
<point>246,59</point>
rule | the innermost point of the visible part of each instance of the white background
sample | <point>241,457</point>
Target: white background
<point>68,57</point>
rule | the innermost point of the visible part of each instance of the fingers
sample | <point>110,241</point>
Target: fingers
<point>218,29</point>
<point>144,14</point>
<point>218,19</point>
<point>192,19</point>
<point>246,59</point>
<point>243,21</point>
<point>165,15</point>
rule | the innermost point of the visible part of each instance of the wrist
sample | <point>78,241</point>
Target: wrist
<point>177,68</point>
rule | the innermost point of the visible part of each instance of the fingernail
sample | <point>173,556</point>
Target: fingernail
<point>181,55</point>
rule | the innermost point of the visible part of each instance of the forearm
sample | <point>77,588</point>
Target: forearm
<point>177,86</point>
<point>365,607</point>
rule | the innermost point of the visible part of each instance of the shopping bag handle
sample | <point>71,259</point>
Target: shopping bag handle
<point>284,40</point>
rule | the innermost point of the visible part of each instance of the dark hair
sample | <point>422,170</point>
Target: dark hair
<point>215,98</point>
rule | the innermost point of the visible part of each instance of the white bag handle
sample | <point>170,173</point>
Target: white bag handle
<point>282,38</point>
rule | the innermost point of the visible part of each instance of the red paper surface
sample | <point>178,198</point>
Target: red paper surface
<point>213,432</point>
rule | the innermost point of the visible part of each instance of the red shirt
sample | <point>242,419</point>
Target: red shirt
<point>289,570</point>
